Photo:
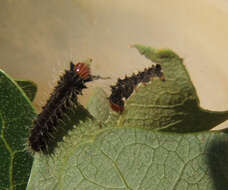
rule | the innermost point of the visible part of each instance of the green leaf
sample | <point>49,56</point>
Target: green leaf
<point>16,115</point>
<point>29,87</point>
<point>99,108</point>
<point>172,105</point>
<point>135,159</point>
<point>98,105</point>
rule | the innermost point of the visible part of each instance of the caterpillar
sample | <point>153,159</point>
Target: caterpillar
<point>60,102</point>
<point>125,87</point>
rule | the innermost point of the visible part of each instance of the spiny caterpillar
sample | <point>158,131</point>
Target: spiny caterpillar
<point>60,102</point>
<point>125,87</point>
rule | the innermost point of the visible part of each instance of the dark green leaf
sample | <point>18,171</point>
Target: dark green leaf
<point>16,115</point>
<point>29,87</point>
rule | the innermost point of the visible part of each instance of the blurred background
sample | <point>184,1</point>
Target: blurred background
<point>38,39</point>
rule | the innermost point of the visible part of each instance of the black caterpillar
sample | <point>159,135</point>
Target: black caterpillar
<point>60,101</point>
<point>125,87</point>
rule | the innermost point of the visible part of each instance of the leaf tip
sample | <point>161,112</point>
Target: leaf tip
<point>156,55</point>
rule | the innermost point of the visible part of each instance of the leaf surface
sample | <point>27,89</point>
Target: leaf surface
<point>98,105</point>
<point>136,159</point>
